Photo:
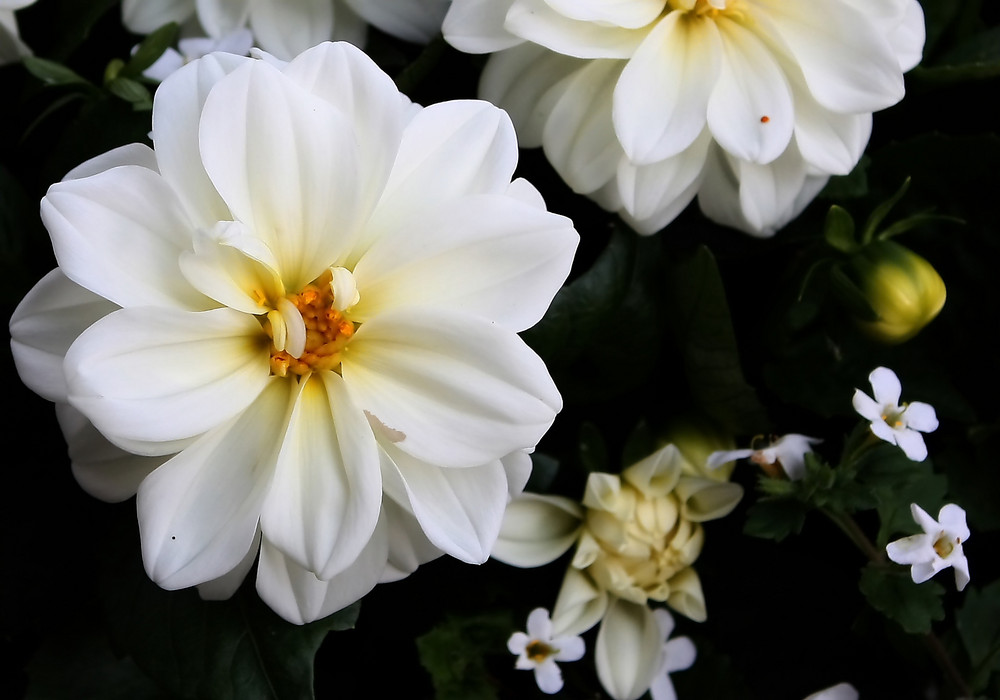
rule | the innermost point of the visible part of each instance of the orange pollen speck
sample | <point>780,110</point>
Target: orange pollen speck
<point>765,119</point>
<point>538,650</point>
<point>327,332</point>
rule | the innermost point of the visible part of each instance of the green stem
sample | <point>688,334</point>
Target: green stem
<point>935,648</point>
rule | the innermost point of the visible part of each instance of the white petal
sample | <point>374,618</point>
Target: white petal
<point>269,148</point>
<point>841,691</point>
<point>580,604</point>
<point>750,111</point>
<point>449,150</point>
<point>705,499</point>
<point>119,234</point>
<point>536,21</point>
<point>961,566</point>
<point>459,510</point>
<point>517,465</point>
<point>177,108</point>
<point>680,654</point>
<point>415,20</point>
<point>162,375</point>
<point>570,648</point>
<point>286,29</point>
<point>102,470</point>
<point>920,416</point>
<point>488,255</point>
<point>225,586</point>
<point>460,390</point>
<point>579,136</point>
<point>654,195</point>
<point>523,81</point>
<point>476,26</point>
<point>630,14</point>
<point>627,651</point>
<point>132,154</point>
<point>144,17</point>
<point>661,100</point>
<point>911,550</point>
<point>198,512</point>
<point>908,37</point>
<point>299,597</point>
<point>539,625</point>
<point>322,508</point>
<point>866,406</point>
<point>408,545</point>
<point>865,77</point>
<point>952,519</point>
<point>717,459</point>
<point>886,386</point>
<point>221,17</point>
<point>44,325</point>
<point>829,141</point>
<point>548,677</point>
<point>912,444</point>
<point>537,529</point>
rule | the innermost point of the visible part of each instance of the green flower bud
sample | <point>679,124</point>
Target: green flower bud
<point>903,290</point>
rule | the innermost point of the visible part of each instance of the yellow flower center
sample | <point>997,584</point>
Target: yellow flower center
<point>538,651</point>
<point>943,546</point>
<point>328,331</point>
<point>710,9</point>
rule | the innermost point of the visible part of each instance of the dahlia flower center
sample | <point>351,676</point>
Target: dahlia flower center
<point>538,651</point>
<point>707,8</point>
<point>327,329</point>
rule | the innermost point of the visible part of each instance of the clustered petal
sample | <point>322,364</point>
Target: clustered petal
<point>750,105</point>
<point>291,327</point>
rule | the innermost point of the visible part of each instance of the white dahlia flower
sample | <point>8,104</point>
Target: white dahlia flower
<point>12,49</point>
<point>286,28</point>
<point>642,104</point>
<point>295,321</point>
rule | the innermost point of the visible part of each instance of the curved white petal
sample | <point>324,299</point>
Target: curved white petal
<point>408,545</point>
<point>750,110</point>
<point>102,470</point>
<point>908,37</point>
<point>537,529</point>
<point>286,29</point>
<point>476,26</point>
<point>286,162</point>
<point>160,375</point>
<point>548,676</point>
<point>44,325</point>
<point>865,77</point>
<point>921,416</point>
<point>912,443</point>
<point>580,604</point>
<point>458,390</point>
<point>661,100</point>
<point>225,586</point>
<point>144,17</point>
<point>885,386</point>
<point>910,550</point>
<point>299,597</point>
<point>630,14</point>
<point>707,499</point>
<point>523,81</point>
<point>459,510</point>
<point>324,502</point>
<point>488,255</point>
<point>579,135</point>
<point>198,512</point>
<point>177,108</point>
<point>448,150</point>
<point>119,233</point>
<point>132,154</point>
<point>536,21</point>
<point>627,651</point>
<point>417,21</point>
<point>221,17</point>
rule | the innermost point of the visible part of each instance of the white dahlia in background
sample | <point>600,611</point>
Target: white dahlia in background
<point>12,49</point>
<point>749,104</point>
<point>296,320</point>
<point>286,28</point>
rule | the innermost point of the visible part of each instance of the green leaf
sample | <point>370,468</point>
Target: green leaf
<point>881,211</point>
<point>892,592</point>
<point>775,518</point>
<point>854,185</point>
<point>839,230</point>
<point>53,73</point>
<point>131,91</point>
<point>975,58</point>
<point>703,331</point>
<point>151,48</point>
<point>236,649</point>
<point>978,624</point>
<point>454,654</point>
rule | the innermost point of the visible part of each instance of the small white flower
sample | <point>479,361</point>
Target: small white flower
<point>841,691</point>
<point>788,452</point>
<point>939,547</point>
<point>539,650</point>
<point>899,424</point>
<point>676,655</point>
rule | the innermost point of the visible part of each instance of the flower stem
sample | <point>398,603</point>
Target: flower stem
<point>850,527</point>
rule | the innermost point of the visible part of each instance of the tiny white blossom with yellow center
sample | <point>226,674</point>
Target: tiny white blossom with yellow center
<point>750,105</point>
<point>937,548</point>
<point>787,454</point>
<point>899,424</point>
<point>539,650</point>
<point>296,321</point>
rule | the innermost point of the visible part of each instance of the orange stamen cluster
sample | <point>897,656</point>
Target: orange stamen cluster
<point>327,332</point>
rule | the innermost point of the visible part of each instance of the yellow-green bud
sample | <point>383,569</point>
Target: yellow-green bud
<point>902,288</point>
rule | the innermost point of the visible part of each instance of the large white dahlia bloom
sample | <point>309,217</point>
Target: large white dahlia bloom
<point>642,104</point>
<point>12,49</point>
<point>286,28</point>
<point>291,327</point>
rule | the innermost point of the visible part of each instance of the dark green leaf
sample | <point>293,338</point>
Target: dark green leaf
<point>978,624</point>
<point>454,654</point>
<point>851,186</point>
<point>975,58</point>
<point>891,591</point>
<point>874,221</point>
<point>131,91</point>
<point>839,230</point>
<point>53,73</point>
<point>775,519</point>
<point>151,48</point>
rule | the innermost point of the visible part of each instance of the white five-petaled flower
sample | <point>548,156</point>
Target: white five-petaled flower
<point>11,47</point>
<point>788,452</point>
<point>295,319</point>
<point>749,104</point>
<point>286,28</point>
<point>897,424</point>
<point>539,650</point>
<point>937,548</point>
